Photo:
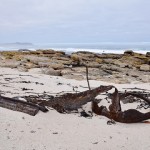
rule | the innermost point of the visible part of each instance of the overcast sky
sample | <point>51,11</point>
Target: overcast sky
<point>73,21</point>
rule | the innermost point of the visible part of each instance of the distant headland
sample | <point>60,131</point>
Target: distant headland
<point>17,43</point>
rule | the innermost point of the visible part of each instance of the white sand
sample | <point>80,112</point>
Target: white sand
<point>54,131</point>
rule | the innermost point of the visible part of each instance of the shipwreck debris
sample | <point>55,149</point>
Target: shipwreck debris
<point>22,106</point>
<point>138,95</point>
<point>115,113</point>
<point>69,101</point>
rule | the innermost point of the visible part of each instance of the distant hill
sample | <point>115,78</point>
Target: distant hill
<point>17,43</point>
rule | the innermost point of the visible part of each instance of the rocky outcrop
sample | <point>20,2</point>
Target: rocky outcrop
<point>118,68</point>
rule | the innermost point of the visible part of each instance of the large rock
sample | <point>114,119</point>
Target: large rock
<point>145,78</point>
<point>61,58</point>
<point>51,71</point>
<point>61,61</point>
<point>36,59</point>
<point>44,64</point>
<point>111,67</point>
<point>108,61</point>
<point>92,64</point>
<point>50,51</point>
<point>85,53</point>
<point>2,57</point>
<point>29,65</point>
<point>83,56</point>
<point>148,54</point>
<point>145,67</point>
<point>75,57</point>
<point>22,69</point>
<point>132,61</point>
<point>109,56</point>
<point>66,71</point>
<point>35,70</point>
<point>134,74</point>
<point>122,64</point>
<point>10,63</point>
<point>129,52</point>
<point>74,76</point>
<point>56,66</point>
<point>98,60</point>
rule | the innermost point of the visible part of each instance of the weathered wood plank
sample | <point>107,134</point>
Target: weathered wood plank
<point>18,105</point>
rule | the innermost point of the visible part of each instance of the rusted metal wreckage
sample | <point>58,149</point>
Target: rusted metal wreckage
<point>73,101</point>
<point>115,112</point>
<point>64,103</point>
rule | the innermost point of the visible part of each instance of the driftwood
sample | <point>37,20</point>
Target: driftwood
<point>138,95</point>
<point>65,103</point>
<point>72,101</point>
<point>137,89</point>
<point>21,106</point>
<point>69,102</point>
<point>115,113</point>
<point>87,78</point>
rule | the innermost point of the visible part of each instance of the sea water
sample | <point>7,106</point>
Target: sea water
<point>106,47</point>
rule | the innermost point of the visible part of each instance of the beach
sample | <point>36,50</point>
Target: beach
<point>53,130</point>
<point>74,75</point>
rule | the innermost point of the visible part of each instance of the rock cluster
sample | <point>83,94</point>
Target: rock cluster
<point>118,68</point>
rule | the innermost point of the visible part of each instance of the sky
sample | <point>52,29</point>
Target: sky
<point>74,21</point>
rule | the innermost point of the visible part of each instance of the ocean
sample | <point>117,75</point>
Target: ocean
<point>119,48</point>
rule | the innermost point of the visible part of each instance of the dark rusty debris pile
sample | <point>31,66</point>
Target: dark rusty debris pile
<point>69,102</point>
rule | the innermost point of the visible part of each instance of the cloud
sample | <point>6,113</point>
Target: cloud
<point>82,18</point>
